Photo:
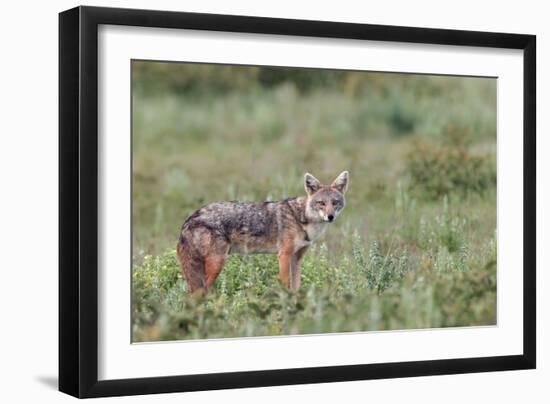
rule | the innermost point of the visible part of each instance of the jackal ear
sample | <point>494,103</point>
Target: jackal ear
<point>311,184</point>
<point>341,182</point>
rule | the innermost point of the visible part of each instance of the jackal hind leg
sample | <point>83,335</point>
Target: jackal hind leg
<point>192,266</point>
<point>213,265</point>
<point>215,250</point>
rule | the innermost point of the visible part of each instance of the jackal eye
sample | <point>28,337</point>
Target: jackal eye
<point>320,203</point>
<point>336,202</point>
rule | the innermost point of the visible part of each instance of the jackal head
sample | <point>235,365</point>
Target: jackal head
<point>325,202</point>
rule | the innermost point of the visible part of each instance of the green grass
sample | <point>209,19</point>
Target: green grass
<point>443,283</point>
<point>415,246</point>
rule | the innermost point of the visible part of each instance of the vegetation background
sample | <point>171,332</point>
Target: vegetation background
<point>415,246</point>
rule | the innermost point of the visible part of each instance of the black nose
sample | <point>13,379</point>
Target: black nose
<point>330,218</point>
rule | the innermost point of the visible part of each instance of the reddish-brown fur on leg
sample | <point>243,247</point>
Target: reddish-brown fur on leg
<point>213,266</point>
<point>295,271</point>
<point>192,268</point>
<point>284,268</point>
<point>202,255</point>
<point>285,258</point>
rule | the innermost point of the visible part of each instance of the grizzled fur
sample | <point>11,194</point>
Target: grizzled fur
<point>286,227</point>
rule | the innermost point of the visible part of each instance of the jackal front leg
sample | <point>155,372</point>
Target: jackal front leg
<point>284,267</point>
<point>286,252</point>
<point>295,269</point>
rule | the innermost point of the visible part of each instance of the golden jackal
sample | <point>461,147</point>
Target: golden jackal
<point>286,227</point>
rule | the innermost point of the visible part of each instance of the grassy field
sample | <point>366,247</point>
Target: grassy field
<point>415,246</point>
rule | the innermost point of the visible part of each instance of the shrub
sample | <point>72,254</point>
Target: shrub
<point>381,271</point>
<point>445,230</point>
<point>402,120</point>
<point>437,169</point>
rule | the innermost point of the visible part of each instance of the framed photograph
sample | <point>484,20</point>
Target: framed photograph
<point>250,201</point>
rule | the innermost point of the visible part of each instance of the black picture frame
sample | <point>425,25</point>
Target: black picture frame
<point>78,200</point>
